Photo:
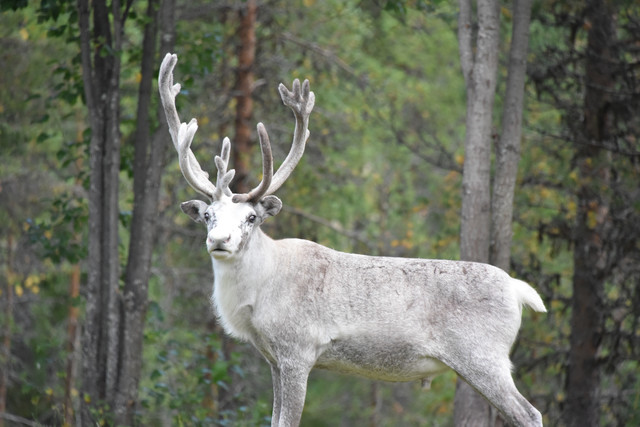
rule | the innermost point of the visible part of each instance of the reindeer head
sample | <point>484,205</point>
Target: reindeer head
<point>231,218</point>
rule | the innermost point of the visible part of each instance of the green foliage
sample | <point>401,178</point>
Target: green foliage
<point>381,175</point>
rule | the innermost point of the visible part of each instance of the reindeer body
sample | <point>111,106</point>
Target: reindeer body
<point>377,302</point>
<point>306,306</point>
<point>303,305</point>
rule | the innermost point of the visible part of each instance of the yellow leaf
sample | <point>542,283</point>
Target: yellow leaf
<point>505,12</point>
<point>545,193</point>
<point>571,209</point>
<point>138,77</point>
<point>31,280</point>
<point>592,220</point>
<point>35,290</point>
<point>48,391</point>
<point>308,3</point>
<point>19,290</point>
<point>24,34</point>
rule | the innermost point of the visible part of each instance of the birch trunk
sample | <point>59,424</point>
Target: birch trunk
<point>480,74</point>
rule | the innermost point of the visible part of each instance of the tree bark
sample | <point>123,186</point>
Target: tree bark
<point>244,87</point>
<point>101,77</point>
<point>480,74</point>
<point>508,146</point>
<point>241,150</point>
<point>114,321</point>
<point>591,266</point>
<point>72,335</point>
<point>7,328</point>
<point>147,171</point>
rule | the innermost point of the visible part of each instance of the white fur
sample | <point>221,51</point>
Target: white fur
<point>303,305</point>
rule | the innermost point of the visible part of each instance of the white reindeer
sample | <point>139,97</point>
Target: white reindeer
<point>306,306</point>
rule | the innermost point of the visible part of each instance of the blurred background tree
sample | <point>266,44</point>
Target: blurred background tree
<point>382,175</point>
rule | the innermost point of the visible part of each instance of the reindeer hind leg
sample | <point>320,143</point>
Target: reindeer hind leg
<point>493,381</point>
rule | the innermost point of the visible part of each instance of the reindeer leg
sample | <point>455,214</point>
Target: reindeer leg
<point>277,395</point>
<point>493,380</point>
<point>293,389</point>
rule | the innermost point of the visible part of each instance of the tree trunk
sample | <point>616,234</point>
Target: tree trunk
<point>147,171</point>
<point>244,86</point>
<point>508,146</point>
<point>7,328</point>
<point>480,73</point>
<point>101,85</point>
<point>72,335</point>
<point>114,321</point>
<point>241,150</point>
<point>591,266</point>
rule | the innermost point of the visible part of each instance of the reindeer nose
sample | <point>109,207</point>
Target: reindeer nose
<point>218,238</point>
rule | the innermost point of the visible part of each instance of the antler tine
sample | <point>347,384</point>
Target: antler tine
<point>267,170</point>
<point>301,101</point>
<point>181,133</point>
<point>224,178</point>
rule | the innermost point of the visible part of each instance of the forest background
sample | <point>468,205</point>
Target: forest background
<point>382,175</point>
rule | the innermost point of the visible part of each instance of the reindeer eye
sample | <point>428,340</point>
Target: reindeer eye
<point>206,216</point>
<point>252,218</point>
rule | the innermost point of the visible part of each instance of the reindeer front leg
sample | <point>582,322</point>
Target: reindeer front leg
<point>292,387</point>
<point>277,397</point>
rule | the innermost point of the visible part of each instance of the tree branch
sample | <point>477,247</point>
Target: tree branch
<point>333,225</point>
<point>464,39</point>
<point>20,420</point>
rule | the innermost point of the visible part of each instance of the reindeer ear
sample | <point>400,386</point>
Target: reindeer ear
<point>271,205</point>
<point>195,209</point>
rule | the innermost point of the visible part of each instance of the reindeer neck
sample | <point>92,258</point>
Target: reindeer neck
<point>255,261</point>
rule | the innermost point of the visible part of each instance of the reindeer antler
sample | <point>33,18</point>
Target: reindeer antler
<point>267,170</point>
<point>300,100</point>
<point>224,177</point>
<point>181,133</point>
